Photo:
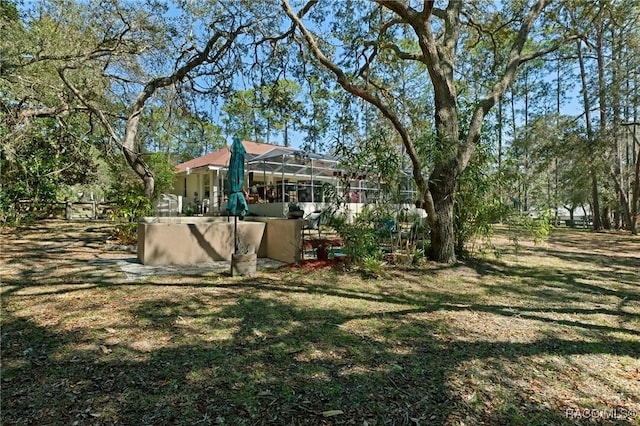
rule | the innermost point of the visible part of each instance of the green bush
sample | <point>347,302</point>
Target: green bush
<point>537,228</point>
<point>359,239</point>
<point>126,233</point>
<point>129,207</point>
<point>477,204</point>
<point>371,266</point>
<point>130,203</point>
<point>35,169</point>
<point>417,256</point>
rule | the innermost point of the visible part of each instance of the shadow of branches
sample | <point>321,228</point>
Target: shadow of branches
<point>295,348</point>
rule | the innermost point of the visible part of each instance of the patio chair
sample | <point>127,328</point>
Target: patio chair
<point>312,222</point>
<point>387,230</point>
<point>387,227</point>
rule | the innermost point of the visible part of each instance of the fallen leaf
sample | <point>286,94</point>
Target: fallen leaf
<point>331,413</point>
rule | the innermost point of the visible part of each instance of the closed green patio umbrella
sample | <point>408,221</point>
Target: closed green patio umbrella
<point>237,205</point>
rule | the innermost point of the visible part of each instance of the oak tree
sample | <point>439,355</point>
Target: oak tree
<point>377,28</point>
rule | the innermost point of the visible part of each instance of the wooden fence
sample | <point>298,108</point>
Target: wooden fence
<point>78,210</point>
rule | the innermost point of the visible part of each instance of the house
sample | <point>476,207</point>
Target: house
<point>276,176</point>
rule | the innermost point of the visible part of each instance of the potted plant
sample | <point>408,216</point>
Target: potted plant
<point>321,250</point>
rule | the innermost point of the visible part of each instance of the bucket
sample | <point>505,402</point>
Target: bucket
<point>243,264</point>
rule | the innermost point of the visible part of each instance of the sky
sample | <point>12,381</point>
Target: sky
<point>571,104</point>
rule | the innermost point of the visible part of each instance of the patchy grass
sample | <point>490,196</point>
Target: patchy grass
<point>546,335</point>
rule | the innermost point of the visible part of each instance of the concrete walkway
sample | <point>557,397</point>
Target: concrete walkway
<point>135,270</point>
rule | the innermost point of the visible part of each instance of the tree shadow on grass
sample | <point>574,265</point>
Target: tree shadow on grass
<point>574,283</point>
<point>425,303</point>
<point>54,253</point>
<point>254,353</point>
<point>261,361</point>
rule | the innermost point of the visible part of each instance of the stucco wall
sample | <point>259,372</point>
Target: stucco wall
<point>193,240</point>
<point>282,239</point>
<point>188,241</point>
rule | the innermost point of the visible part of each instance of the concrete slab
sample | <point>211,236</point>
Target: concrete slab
<point>135,270</point>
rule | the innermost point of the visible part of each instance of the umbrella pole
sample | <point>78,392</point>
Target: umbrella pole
<point>235,234</point>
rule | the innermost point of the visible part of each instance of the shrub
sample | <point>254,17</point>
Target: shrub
<point>359,239</point>
<point>371,266</point>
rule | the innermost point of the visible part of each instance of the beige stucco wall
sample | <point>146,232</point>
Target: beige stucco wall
<point>193,240</point>
<point>282,239</point>
<point>188,241</point>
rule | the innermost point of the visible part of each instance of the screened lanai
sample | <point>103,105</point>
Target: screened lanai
<point>290,176</point>
<point>284,175</point>
<point>276,177</point>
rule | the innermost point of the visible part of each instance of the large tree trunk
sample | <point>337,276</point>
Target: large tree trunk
<point>635,194</point>
<point>132,151</point>
<point>606,217</point>
<point>442,230</point>
<point>142,170</point>
<point>442,182</point>
<point>623,202</point>
<point>602,96</point>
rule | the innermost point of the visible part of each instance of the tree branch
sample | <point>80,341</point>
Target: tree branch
<point>292,29</point>
<point>550,49</point>
<point>438,13</point>
<point>406,12</point>
<point>26,114</point>
<point>498,89</point>
<point>99,113</point>
<point>401,54</point>
<point>343,80</point>
<point>127,143</point>
<point>389,24</point>
<point>431,56</point>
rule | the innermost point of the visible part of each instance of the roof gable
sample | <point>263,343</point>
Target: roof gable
<point>222,156</point>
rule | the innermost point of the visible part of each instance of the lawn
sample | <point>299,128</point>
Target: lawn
<point>545,335</point>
